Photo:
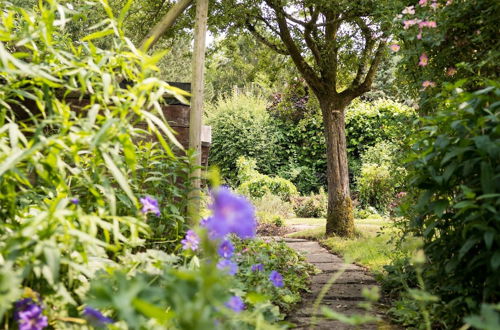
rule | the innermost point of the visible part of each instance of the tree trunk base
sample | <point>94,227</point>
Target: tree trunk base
<point>340,218</point>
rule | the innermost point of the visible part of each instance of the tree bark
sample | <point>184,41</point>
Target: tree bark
<point>340,219</point>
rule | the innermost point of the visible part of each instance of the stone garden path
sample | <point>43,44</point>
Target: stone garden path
<point>343,296</point>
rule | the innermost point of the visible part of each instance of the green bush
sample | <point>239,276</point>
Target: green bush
<point>256,185</point>
<point>381,176</point>
<point>301,144</point>
<point>241,127</point>
<point>312,206</point>
<point>456,169</point>
<point>368,124</point>
<point>272,204</point>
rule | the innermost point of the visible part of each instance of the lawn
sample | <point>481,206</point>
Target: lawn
<point>371,247</point>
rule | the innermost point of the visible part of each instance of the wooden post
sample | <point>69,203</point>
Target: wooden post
<point>164,24</point>
<point>195,117</point>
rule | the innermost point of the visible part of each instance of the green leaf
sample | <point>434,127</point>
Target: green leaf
<point>119,176</point>
<point>152,311</point>
<point>98,34</point>
<point>495,260</point>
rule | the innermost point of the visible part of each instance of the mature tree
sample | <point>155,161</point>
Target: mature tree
<point>337,46</point>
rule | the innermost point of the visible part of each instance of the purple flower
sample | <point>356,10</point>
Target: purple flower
<point>29,315</point>
<point>74,201</point>
<point>149,204</point>
<point>95,317</point>
<point>231,214</point>
<point>226,249</point>
<point>236,304</point>
<point>276,279</point>
<point>191,241</point>
<point>228,265</point>
<point>257,268</point>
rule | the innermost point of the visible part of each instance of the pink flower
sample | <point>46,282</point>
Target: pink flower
<point>424,60</point>
<point>434,5</point>
<point>419,35</point>
<point>449,2</point>
<point>422,3</point>
<point>409,10</point>
<point>451,71</point>
<point>409,23</point>
<point>428,83</point>
<point>429,24</point>
<point>394,47</point>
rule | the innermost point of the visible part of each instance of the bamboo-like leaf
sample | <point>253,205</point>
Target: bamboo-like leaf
<point>119,176</point>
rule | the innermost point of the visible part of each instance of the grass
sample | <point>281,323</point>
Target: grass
<point>370,247</point>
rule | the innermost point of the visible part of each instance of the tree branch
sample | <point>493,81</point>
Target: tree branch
<point>365,54</point>
<point>370,76</point>
<point>264,40</point>
<point>305,69</point>
<point>164,24</point>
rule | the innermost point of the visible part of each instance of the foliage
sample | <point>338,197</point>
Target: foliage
<point>273,205</point>
<point>235,61</point>
<point>301,139</point>
<point>462,44</point>
<point>456,169</point>
<point>240,127</point>
<point>199,289</point>
<point>257,185</point>
<point>488,319</point>
<point>368,124</point>
<point>312,206</point>
<point>274,255</point>
<point>381,175</point>
<point>69,152</point>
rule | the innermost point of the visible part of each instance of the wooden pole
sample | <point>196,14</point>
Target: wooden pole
<point>195,118</point>
<point>164,24</point>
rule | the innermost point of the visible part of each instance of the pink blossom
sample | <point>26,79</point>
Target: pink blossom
<point>434,5</point>
<point>422,3</point>
<point>424,60</point>
<point>428,83</point>
<point>429,24</point>
<point>451,71</point>
<point>419,35</point>
<point>449,2</point>
<point>409,10</point>
<point>394,47</point>
<point>409,23</point>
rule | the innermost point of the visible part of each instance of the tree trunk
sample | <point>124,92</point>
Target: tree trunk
<point>339,220</point>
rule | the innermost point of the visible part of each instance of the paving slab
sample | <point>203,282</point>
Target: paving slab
<point>343,296</point>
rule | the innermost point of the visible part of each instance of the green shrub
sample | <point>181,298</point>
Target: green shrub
<point>241,127</point>
<point>71,177</point>
<point>381,176</point>
<point>272,204</point>
<point>456,169</point>
<point>312,206</point>
<point>375,186</point>
<point>257,185</point>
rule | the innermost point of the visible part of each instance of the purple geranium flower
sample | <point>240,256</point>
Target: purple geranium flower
<point>236,304</point>
<point>231,214</point>
<point>257,268</point>
<point>29,315</point>
<point>191,241</point>
<point>228,265</point>
<point>276,279</point>
<point>226,249</point>
<point>95,317</point>
<point>74,201</point>
<point>149,204</point>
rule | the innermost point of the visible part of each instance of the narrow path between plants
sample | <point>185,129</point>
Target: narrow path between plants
<point>343,296</point>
